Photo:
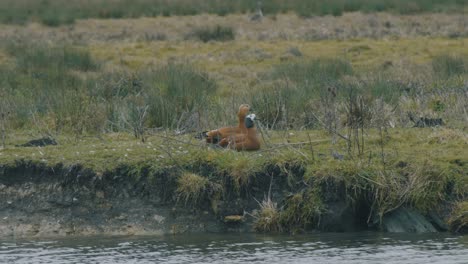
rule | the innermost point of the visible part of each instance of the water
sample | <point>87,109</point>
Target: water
<point>243,248</point>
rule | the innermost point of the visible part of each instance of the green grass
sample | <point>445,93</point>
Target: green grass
<point>459,220</point>
<point>65,89</point>
<point>448,66</point>
<point>58,12</point>
<point>216,33</point>
<point>412,174</point>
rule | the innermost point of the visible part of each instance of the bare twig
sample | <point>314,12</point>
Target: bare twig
<point>331,129</point>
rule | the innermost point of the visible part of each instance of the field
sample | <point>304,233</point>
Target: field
<point>58,12</point>
<point>361,94</point>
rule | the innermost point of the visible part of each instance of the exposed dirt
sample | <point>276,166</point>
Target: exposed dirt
<point>62,201</point>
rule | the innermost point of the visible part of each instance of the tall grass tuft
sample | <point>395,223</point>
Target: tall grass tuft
<point>447,66</point>
<point>176,91</point>
<point>38,57</point>
<point>290,99</point>
<point>216,33</point>
<point>45,83</point>
<point>268,218</point>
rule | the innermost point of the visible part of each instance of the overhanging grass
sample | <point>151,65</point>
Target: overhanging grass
<point>412,175</point>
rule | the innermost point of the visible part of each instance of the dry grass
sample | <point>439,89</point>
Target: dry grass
<point>267,219</point>
<point>272,28</point>
<point>191,187</point>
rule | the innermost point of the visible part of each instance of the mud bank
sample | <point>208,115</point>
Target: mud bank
<point>38,200</point>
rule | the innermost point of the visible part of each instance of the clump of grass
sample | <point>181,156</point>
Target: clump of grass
<point>45,84</point>
<point>385,187</point>
<point>216,33</point>
<point>40,57</point>
<point>175,90</point>
<point>191,187</point>
<point>239,167</point>
<point>447,135</point>
<point>267,219</point>
<point>447,66</point>
<point>458,221</point>
<point>290,99</point>
<point>302,210</point>
<point>321,70</point>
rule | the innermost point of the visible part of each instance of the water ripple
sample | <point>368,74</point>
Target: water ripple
<point>210,248</point>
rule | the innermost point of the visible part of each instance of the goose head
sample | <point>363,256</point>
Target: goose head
<point>249,120</point>
<point>243,110</point>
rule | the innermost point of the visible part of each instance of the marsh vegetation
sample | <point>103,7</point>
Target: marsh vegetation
<point>57,12</point>
<point>360,105</point>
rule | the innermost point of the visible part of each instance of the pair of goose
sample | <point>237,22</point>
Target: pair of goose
<point>241,137</point>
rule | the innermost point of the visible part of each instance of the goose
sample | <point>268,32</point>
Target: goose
<point>241,137</point>
<point>247,140</point>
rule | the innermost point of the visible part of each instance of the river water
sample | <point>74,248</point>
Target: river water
<point>346,248</point>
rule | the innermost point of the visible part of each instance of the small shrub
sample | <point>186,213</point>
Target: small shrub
<point>295,87</point>
<point>217,33</point>
<point>267,219</point>
<point>447,66</point>
<point>437,106</point>
<point>316,70</point>
<point>53,18</point>
<point>41,57</point>
<point>174,91</point>
<point>79,59</point>
<point>301,210</point>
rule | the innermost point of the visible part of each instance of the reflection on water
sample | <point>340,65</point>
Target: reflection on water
<point>243,248</point>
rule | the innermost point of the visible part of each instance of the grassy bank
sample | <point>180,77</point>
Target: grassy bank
<point>394,169</point>
<point>373,105</point>
<point>56,12</point>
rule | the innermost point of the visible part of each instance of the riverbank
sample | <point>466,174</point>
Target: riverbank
<point>299,182</point>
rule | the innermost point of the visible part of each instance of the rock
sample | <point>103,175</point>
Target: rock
<point>437,222</point>
<point>429,122</point>
<point>406,220</point>
<point>45,141</point>
<point>233,218</point>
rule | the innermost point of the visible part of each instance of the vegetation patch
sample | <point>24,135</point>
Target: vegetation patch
<point>458,221</point>
<point>57,12</point>
<point>239,167</point>
<point>268,217</point>
<point>303,211</point>
<point>216,33</point>
<point>447,66</point>
<point>191,187</point>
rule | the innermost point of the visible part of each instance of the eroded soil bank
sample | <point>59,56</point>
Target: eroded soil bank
<point>37,200</point>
